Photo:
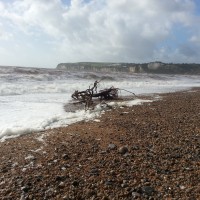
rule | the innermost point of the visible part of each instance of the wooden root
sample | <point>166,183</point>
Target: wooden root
<point>88,95</point>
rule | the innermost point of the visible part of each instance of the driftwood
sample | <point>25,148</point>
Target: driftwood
<point>87,96</point>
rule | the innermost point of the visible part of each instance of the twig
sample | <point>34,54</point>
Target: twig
<point>128,91</point>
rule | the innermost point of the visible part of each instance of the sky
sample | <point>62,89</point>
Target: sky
<point>44,33</point>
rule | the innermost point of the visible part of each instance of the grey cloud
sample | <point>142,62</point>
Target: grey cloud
<point>105,30</point>
<point>189,50</point>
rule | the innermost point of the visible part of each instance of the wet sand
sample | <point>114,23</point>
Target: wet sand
<point>149,151</point>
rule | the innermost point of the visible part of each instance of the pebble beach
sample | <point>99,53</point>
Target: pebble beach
<point>148,151</point>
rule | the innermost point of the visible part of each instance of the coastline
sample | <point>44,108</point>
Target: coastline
<point>144,151</point>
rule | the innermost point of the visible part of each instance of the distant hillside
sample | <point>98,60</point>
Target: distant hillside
<point>152,67</point>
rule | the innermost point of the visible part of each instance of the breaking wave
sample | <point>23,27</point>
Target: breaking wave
<point>93,76</point>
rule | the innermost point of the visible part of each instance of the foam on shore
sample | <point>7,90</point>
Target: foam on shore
<point>64,119</point>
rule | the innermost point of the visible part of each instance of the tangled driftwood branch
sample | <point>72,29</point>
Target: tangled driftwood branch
<point>86,97</point>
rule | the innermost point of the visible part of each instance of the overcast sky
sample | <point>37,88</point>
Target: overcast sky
<point>43,33</point>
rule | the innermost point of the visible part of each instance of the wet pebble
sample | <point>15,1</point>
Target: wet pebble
<point>61,186</point>
<point>123,150</point>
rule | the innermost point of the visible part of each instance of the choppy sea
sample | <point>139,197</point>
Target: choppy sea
<point>33,99</point>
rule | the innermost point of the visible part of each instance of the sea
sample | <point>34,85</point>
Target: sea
<point>34,99</point>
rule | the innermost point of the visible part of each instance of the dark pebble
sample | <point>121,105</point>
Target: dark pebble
<point>147,190</point>
<point>94,172</point>
<point>25,189</point>
<point>75,183</point>
<point>123,150</point>
<point>65,157</point>
<point>109,182</point>
<point>60,178</point>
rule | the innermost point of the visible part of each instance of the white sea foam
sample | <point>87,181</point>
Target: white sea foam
<point>129,103</point>
<point>33,99</point>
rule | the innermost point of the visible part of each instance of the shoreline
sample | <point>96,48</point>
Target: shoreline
<point>144,151</point>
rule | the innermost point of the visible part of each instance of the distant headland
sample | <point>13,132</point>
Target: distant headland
<point>151,67</point>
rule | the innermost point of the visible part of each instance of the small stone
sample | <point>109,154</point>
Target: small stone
<point>127,154</point>
<point>60,178</point>
<point>112,146</point>
<point>67,165</point>
<point>135,194</point>
<point>124,185</point>
<point>147,190</point>
<point>103,152</point>
<point>75,183</point>
<point>49,191</point>
<point>65,197</point>
<point>4,170</point>
<point>135,147</point>
<point>123,150</point>
<point>112,172</point>
<point>109,182</point>
<point>90,193</point>
<point>25,189</point>
<point>182,187</point>
<point>65,157</point>
<point>24,169</point>
<point>105,198</point>
<point>30,157</point>
<point>61,185</point>
<point>94,171</point>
